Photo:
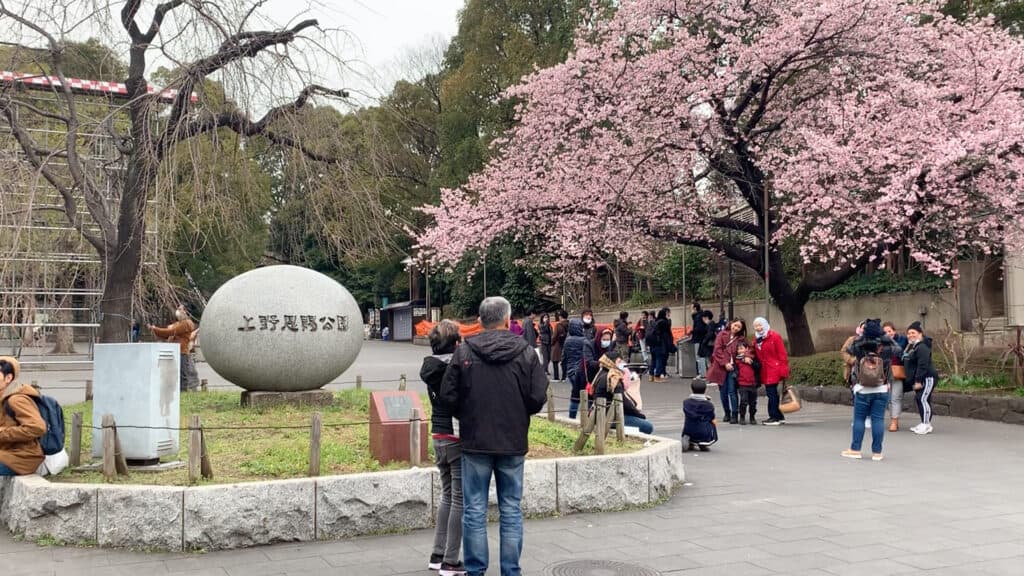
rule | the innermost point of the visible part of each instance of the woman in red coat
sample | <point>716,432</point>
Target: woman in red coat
<point>774,367</point>
<point>723,368</point>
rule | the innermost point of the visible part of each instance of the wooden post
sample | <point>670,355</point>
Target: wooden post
<point>109,469</point>
<point>195,449</point>
<point>585,430</point>
<point>600,407</point>
<point>88,390</point>
<point>204,385</point>
<point>205,466</point>
<point>551,403</point>
<point>314,444</point>
<point>359,382</point>
<point>402,383</point>
<point>120,464</point>
<point>414,437</point>
<point>75,457</point>
<point>584,402</point>
<point>620,418</point>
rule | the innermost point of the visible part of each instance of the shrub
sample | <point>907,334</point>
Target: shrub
<point>824,369</point>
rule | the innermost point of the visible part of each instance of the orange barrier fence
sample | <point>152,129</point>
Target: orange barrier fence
<point>423,328</point>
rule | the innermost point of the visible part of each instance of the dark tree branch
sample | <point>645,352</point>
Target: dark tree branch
<point>236,47</point>
<point>244,126</point>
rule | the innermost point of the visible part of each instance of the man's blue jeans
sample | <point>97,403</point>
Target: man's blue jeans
<point>864,406</point>
<point>508,480</point>
<point>727,392</point>
<point>645,426</point>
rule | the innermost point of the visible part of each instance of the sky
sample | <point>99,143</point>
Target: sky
<point>377,34</point>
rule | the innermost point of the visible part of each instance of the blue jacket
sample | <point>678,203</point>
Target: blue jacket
<point>699,412</point>
<point>577,350</point>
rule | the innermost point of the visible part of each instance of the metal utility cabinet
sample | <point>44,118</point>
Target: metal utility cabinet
<point>138,385</point>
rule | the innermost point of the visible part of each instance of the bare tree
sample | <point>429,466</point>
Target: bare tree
<point>228,42</point>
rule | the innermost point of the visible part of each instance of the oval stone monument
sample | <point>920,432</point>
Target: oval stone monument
<point>281,329</point>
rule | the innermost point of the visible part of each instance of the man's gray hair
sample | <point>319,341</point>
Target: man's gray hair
<point>494,311</point>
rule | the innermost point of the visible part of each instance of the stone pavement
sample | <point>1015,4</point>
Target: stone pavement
<point>764,501</point>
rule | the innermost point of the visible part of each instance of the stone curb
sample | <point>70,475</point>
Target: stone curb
<point>1005,409</point>
<point>302,510</point>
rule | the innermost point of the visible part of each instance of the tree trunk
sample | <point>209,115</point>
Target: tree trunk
<point>797,328</point>
<point>64,340</point>
<point>792,304</point>
<point>125,264</point>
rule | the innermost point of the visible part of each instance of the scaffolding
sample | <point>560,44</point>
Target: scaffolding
<point>51,278</point>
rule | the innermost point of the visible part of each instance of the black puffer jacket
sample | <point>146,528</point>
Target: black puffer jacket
<point>432,373</point>
<point>494,384</point>
<point>917,361</point>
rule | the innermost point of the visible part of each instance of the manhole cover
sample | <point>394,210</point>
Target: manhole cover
<point>599,568</point>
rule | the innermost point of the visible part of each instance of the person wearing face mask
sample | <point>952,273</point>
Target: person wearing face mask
<point>917,359</point>
<point>589,328</point>
<point>181,332</point>
<point>21,425</point>
<point>614,377</point>
<point>771,352</point>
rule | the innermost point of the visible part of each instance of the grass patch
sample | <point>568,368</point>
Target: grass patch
<point>251,455</point>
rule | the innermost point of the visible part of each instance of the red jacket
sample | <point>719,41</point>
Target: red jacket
<point>747,373</point>
<point>724,353</point>
<point>772,354</point>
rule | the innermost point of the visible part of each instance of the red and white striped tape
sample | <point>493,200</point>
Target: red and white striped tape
<point>88,86</point>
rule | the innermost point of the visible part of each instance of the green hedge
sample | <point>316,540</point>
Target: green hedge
<point>825,369</point>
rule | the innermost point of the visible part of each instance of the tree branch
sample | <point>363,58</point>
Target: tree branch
<point>70,205</point>
<point>236,47</point>
<point>242,125</point>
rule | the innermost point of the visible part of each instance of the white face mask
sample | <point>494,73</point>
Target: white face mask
<point>606,343</point>
<point>621,365</point>
<point>587,320</point>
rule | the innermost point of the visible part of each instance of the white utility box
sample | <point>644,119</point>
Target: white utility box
<point>138,385</point>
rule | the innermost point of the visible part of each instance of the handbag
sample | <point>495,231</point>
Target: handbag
<point>790,401</point>
<point>899,372</point>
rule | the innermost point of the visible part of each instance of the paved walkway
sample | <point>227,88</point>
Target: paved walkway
<point>764,501</point>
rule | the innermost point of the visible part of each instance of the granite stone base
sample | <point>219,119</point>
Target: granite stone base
<point>1005,409</point>
<point>202,518</point>
<point>319,397</point>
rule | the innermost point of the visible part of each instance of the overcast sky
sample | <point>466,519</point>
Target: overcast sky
<point>379,33</point>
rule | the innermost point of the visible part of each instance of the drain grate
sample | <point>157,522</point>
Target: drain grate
<point>599,568</point>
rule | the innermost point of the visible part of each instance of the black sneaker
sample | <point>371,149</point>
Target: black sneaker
<point>435,562</point>
<point>452,570</point>
<point>772,422</point>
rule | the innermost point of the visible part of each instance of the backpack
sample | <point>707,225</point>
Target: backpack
<point>51,412</point>
<point>871,371</point>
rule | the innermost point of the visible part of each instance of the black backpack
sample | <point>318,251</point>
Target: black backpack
<point>51,412</point>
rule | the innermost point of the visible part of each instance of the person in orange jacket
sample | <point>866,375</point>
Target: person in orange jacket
<point>21,429</point>
<point>181,332</point>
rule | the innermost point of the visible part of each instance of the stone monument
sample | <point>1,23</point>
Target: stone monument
<point>282,333</point>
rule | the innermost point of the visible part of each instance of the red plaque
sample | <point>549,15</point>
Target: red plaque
<point>389,426</point>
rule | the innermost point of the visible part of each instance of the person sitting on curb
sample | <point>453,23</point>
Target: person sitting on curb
<point>700,429</point>
<point>21,425</point>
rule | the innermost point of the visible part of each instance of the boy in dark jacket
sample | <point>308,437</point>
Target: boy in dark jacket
<point>700,429</point>
<point>444,338</point>
<point>917,361</point>
<point>747,368</point>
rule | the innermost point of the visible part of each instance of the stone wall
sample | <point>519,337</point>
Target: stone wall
<point>257,513</point>
<point>1005,409</point>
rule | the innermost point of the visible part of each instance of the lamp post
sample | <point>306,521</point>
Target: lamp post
<point>767,239</point>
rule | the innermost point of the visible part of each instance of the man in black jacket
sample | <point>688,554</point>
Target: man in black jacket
<point>494,383</point>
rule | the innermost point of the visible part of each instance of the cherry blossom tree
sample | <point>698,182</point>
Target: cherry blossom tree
<point>868,127</point>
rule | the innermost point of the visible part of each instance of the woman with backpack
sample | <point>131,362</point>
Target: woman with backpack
<point>21,425</point>
<point>871,377</point>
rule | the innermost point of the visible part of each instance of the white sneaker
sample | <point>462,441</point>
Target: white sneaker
<point>922,429</point>
<point>867,424</point>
